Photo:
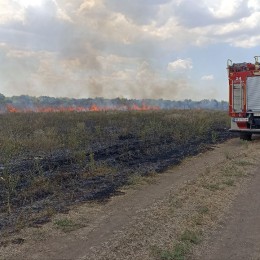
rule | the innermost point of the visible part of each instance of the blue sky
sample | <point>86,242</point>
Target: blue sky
<point>170,49</point>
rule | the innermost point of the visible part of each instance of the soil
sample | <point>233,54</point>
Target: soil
<point>215,193</point>
<point>238,236</point>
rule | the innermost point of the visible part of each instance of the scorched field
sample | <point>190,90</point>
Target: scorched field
<point>51,161</point>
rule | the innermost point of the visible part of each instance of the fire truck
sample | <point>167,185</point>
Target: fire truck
<point>244,97</point>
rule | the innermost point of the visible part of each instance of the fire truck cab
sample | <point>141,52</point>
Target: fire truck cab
<point>244,97</point>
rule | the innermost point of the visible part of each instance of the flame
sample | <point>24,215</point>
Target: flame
<point>11,109</point>
<point>93,108</point>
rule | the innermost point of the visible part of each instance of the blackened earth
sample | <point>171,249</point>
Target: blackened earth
<point>48,184</point>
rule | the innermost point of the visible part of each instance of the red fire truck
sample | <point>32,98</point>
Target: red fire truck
<point>244,97</point>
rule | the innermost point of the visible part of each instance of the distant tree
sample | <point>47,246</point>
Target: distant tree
<point>214,103</point>
<point>187,103</point>
<point>2,98</point>
<point>2,103</point>
<point>224,105</point>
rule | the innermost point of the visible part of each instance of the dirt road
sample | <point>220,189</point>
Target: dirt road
<point>239,235</point>
<point>205,208</point>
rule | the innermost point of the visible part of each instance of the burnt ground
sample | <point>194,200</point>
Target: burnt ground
<point>192,211</point>
<point>48,184</point>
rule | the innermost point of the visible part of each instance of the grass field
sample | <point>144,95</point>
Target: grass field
<point>50,161</point>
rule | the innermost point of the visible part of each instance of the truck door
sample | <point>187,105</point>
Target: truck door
<point>253,93</point>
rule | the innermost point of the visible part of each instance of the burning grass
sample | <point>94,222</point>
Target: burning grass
<point>50,161</point>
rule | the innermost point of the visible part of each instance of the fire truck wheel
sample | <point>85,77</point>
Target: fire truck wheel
<point>245,136</point>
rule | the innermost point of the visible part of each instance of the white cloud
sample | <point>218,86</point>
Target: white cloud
<point>202,23</point>
<point>207,77</point>
<point>10,12</point>
<point>222,8</point>
<point>180,65</point>
<point>254,4</point>
<point>246,42</point>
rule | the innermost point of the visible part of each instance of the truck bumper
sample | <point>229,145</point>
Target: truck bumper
<point>236,129</point>
<point>252,131</point>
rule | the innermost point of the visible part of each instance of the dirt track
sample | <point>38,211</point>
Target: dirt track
<point>239,235</point>
<point>215,195</point>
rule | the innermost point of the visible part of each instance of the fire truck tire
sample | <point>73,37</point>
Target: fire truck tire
<point>245,136</point>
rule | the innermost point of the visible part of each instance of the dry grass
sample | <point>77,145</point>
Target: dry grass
<point>75,137</point>
<point>34,134</point>
<point>206,200</point>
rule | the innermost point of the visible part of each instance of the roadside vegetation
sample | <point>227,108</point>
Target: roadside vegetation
<point>50,161</point>
<point>205,199</point>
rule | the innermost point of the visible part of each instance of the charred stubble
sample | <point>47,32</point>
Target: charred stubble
<point>52,161</point>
